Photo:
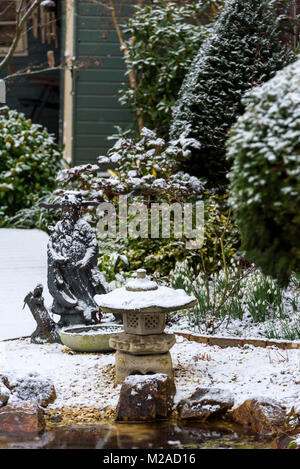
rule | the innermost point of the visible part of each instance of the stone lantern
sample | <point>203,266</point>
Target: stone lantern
<point>143,347</point>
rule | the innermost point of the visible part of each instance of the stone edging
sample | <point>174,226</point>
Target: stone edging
<point>224,342</point>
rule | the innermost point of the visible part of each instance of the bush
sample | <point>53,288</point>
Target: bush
<point>29,161</point>
<point>242,50</point>
<point>159,256</point>
<point>163,39</point>
<point>36,216</point>
<point>147,171</point>
<point>148,167</point>
<point>265,178</point>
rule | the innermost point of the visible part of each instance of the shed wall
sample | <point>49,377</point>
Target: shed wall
<point>99,74</point>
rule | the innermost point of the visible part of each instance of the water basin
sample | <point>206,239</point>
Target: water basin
<point>90,338</point>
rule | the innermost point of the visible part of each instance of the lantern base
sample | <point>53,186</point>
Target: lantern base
<point>142,344</point>
<point>127,364</point>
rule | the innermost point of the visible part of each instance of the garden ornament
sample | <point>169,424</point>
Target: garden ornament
<point>73,276</point>
<point>143,347</point>
<point>47,330</point>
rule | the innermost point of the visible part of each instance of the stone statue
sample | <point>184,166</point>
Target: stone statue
<point>73,276</point>
<point>47,330</point>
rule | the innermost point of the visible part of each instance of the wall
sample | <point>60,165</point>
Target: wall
<point>100,72</point>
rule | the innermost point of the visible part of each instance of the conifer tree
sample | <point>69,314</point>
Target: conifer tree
<point>243,50</point>
<point>264,145</point>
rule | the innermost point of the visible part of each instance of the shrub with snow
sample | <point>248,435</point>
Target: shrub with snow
<point>163,39</point>
<point>147,167</point>
<point>242,50</point>
<point>265,178</point>
<point>146,171</point>
<point>29,161</point>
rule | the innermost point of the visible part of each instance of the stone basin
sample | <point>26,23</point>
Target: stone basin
<point>90,338</point>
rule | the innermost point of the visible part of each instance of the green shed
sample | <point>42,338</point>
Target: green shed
<point>31,87</point>
<point>76,99</point>
<point>94,75</point>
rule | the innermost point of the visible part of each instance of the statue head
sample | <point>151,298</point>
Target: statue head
<point>70,204</point>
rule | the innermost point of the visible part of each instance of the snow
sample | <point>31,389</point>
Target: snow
<point>246,372</point>
<point>163,297</point>
<point>23,264</point>
<point>102,329</point>
<point>87,380</point>
<point>4,394</point>
<point>79,379</point>
<point>137,380</point>
<point>143,284</point>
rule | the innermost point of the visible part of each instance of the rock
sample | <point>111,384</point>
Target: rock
<point>21,418</point>
<point>145,398</point>
<point>284,441</point>
<point>262,414</point>
<point>204,404</point>
<point>4,395</point>
<point>32,387</point>
<point>4,379</point>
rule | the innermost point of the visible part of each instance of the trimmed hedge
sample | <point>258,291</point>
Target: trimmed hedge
<point>242,51</point>
<point>265,178</point>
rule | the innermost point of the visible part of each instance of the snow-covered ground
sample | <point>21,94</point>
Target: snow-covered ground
<point>23,264</point>
<point>246,328</point>
<point>88,379</point>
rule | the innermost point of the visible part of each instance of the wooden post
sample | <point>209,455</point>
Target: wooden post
<point>2,92</point>
<point>2,96</point>
<point>68,82</point>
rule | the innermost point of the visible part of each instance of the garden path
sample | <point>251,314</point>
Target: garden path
<point>23,264</point>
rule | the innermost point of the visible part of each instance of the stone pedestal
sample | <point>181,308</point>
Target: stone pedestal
<point>127,364</point>
<point>142,345</point>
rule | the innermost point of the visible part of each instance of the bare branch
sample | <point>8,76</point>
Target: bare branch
<point>19,31</point>
<point>20,73</point>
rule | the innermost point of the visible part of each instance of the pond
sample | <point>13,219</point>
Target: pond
<point>158,435</point>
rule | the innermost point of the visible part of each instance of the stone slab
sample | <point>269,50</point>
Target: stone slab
<point>240,342</point>
<point>142,345</point>
<point>146,398</point>
<point>127,364</point>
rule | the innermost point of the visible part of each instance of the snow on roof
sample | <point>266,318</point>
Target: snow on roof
<point>164,299</point>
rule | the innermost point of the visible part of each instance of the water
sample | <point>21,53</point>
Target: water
<point>158,435</point>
